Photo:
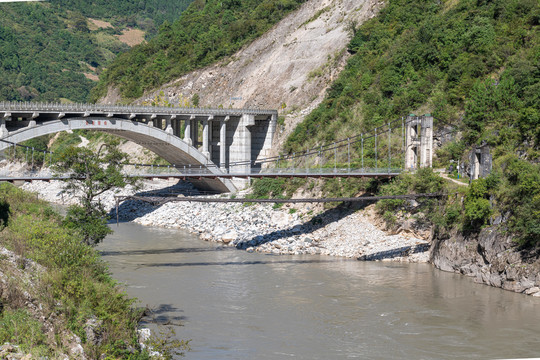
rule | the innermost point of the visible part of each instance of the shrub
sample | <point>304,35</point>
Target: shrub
<point>477,206</point>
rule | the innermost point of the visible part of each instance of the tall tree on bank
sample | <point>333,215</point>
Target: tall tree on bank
<point>91,174</point>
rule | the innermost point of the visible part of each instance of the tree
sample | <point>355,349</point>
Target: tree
<point>91,174</point>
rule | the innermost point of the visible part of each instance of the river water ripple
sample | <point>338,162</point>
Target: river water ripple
<point>237,305</point>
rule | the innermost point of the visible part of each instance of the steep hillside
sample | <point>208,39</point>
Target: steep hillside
<point>54,51</point>
<point>476,60</point>
<point>147,15</point>
<point>289,67</point>
<point>206,32</point>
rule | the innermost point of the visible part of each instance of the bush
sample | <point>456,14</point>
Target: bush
<point>477,206</point>
<point>518,197</point>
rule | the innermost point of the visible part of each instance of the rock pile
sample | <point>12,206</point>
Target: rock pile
<point>259,227</point>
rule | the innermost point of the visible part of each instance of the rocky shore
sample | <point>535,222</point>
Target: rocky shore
<point>490,258</point>
<point>343,231</point>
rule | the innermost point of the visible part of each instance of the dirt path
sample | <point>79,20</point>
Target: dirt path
<point>453,180</point>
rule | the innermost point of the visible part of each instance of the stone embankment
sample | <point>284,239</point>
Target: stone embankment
<point>345,232</point>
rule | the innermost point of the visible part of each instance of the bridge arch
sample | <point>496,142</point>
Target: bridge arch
<point>164,144</point>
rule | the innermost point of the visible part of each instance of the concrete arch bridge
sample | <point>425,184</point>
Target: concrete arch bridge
<point>224,141</point>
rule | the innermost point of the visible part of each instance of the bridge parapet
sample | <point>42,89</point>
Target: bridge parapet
<point>101,109</point>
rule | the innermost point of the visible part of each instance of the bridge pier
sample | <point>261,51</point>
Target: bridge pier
<point>206,138</point>
<point>168,124</point>
<point>223,143</point>
<point>3,130</point>
<point>187,130</point>
<point>240,149</point>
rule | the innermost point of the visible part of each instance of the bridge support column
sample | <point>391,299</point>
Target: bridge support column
<point>195,133</point>
<point>210,136</point>
<point>240,149</point>
<point>426,141</point>
<point>223,143</point>
<point>168,122</point>
<point>206,138</point>
<point>269,138</point>
<point>187,130</point>
<point>3,130</point>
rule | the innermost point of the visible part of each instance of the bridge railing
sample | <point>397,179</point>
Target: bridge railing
<point>10,171</point>
<point>101,108</point>
<point>138,170</point>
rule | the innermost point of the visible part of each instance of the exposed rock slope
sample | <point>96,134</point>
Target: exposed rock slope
<point>290,67</point>
<point>490,258</point>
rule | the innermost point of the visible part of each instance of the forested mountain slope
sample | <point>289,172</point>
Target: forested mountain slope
<point>147,15</point>
<point>52,51</point>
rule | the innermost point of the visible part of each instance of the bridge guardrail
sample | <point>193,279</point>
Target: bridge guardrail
<point>148,171</point>
<point>79,107</point>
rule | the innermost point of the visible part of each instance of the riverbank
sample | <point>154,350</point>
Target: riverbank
<point>343,231</point>
<point>57,298</point>
<point>490,257</point>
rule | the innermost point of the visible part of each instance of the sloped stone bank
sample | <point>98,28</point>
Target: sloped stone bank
<point>259,227</point>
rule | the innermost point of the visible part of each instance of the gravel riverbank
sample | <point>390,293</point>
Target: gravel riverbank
<point>343,231</point>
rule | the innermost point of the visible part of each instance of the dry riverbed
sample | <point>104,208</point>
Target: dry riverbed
<point>345,232</point>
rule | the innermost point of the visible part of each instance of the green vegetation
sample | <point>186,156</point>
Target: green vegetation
<point>511,192</point>
<point>444,58</point>
<point>19,327</point>
<point>424,181</point>
<point>268,188</point>
<point>44,57</point>
<point>206,32</point>
<point>515,186</point>
<point>48,51</point>
<point>147,15</point>
<point>76,287</point>
<point>91,174</point>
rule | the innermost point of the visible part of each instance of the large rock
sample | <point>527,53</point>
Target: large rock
<point>228,237</point>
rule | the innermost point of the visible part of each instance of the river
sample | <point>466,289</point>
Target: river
<point>237,305</point>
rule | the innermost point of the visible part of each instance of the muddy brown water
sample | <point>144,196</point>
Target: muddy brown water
<point>236,305</point>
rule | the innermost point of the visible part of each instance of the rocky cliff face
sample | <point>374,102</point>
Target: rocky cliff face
<point>491,258</point>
